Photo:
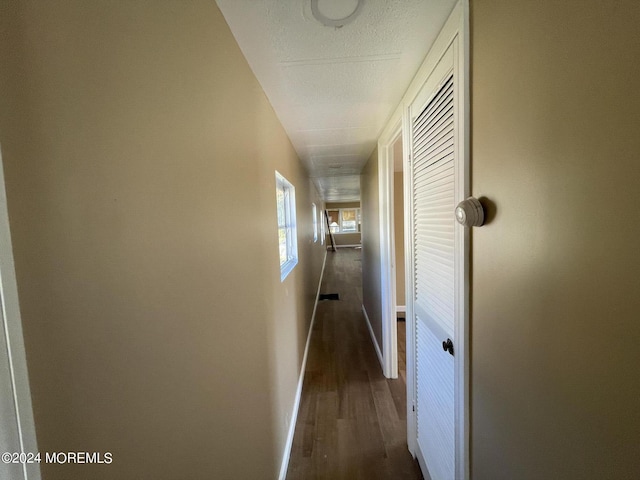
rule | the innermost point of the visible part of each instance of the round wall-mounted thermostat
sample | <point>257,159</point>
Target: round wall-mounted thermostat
<point>469,213</point>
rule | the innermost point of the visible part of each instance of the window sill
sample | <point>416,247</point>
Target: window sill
<point>286,269</point>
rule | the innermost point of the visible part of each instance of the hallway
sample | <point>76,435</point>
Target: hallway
<point>352,420</point>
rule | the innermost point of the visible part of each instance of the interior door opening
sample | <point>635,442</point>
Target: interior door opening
<point>397,226</point>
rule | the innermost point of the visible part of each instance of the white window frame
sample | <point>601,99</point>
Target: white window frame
<point>314,216</point>
<point>287,221</point>
<point>323,222</point>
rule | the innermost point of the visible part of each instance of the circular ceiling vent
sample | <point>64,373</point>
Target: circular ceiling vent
<point>336,13</point>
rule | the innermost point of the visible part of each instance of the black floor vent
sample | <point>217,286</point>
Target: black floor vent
<point>329,296</point>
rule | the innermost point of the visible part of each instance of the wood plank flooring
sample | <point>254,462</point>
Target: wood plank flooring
<point>352,420</point>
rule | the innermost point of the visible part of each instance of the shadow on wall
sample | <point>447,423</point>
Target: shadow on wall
<point>490,209</point>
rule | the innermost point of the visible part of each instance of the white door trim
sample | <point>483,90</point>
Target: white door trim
<point>387,245</point>
<point>12,330</point>
<point>454,33</point>
<point>462,420</point>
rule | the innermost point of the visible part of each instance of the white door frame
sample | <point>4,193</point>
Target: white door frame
<point>387,245</point>
<point>15,354</point>
<point>455,32</point>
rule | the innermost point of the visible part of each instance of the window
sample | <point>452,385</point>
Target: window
<point>322,230</point>
<point>314,214</point>
<point>348,221</point>
<point>287,231</point>
<point>344,220</point>
<point>334,218</point>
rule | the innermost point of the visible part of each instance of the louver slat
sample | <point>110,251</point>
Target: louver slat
<point>433,153</point>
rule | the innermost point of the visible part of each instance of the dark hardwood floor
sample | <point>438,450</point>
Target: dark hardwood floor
<point>352,420</point>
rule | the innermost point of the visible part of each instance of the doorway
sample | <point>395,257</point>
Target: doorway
<point>399,259</point>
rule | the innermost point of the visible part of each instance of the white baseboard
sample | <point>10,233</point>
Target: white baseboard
<point>401,309</point>
<point>296,403</point>
<point>349,246</point>
<point>373,337</point>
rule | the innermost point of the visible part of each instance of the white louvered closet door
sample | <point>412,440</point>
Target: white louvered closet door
<point>433,148</point>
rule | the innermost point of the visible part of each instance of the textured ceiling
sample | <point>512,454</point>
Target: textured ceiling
<point>334,88</point>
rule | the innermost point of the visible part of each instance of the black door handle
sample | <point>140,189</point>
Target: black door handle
<point>448,346</point>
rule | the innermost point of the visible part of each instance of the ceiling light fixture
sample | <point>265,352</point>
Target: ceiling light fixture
<point>336,13</point>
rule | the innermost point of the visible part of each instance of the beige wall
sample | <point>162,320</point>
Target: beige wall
<point>556,275</point>
<point>371,267</point>
<point>398,218</point>
<point>138,147</point>
<point>331,205</point>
